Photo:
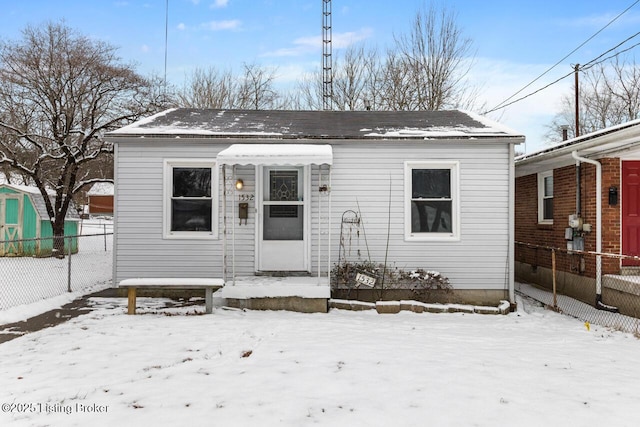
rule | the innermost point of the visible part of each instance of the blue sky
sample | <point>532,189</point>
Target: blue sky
<point>514,41</point>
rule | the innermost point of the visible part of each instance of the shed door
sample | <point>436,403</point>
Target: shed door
<point>10,224</point>
<point>630,210</point>
<point>283,228</point>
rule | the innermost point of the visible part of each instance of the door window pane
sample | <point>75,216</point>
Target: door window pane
<point>283,185</point>
<point>278,227</point>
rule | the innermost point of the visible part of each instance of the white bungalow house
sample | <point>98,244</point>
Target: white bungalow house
<point>236,194</point>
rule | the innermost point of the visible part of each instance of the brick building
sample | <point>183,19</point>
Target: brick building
<point>557,212</point>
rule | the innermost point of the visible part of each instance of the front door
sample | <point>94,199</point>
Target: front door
<point>283,229</point>
<point>630,210</point>
<point>10,224</point>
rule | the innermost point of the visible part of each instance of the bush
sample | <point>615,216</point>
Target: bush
<point>419,282</point>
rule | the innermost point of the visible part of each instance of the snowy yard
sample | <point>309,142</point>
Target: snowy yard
<point>237,368</point>
<point>27,280</point>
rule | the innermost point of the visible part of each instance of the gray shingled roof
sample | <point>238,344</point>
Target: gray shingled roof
<point>288,124</point>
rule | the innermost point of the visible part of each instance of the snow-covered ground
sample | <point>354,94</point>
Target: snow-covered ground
<point>239,368</point>
<point>28,280</point>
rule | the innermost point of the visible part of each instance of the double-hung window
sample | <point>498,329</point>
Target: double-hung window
<point>545,197</point>
<point>190,199</point>
<point>431,201</point>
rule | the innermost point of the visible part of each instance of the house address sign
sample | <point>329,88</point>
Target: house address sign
<point>363,279</point>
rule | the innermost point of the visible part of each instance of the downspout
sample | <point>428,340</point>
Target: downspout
<point>319,220</point>
<point>224,223</point>
<point>512,236</point>
<point>329,213</point>
<point>598,166</point>
<point>233,221</point>
<point>579,189</point>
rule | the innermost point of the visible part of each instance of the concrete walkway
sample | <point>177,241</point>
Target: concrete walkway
<point>51,318</point>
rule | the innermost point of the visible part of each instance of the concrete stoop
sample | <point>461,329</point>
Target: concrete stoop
<point>393,307</point>
<point>289,303</point>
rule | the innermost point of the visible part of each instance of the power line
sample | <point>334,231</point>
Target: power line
<point>584,67</point>
<point>503,103</point>
<point>592,62</point>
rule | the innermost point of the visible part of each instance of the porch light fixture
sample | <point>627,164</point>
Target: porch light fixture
<point>239,184</point>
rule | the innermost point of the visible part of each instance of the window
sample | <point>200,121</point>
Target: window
<point>545,197</point>
<point>431,201</point>
<point>190,199</point>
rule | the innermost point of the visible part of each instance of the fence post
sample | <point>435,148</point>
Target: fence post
<point>69,267</point>
<point>553,275</point>
<point>104,229</point>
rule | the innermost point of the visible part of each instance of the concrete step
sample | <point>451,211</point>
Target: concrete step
<point>630,271</point>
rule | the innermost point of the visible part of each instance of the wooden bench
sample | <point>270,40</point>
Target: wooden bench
<point>209,285</point>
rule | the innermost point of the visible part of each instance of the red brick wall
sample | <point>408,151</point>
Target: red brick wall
<point>528,230</point>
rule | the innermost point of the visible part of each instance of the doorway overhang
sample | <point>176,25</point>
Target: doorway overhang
<point>276,154</point>
<point>280,155</point>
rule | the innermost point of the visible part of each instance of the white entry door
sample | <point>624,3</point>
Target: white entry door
<point>283,226</point>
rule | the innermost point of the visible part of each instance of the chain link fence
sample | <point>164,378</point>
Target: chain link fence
<point>598,288</point>
<point>87,263</point>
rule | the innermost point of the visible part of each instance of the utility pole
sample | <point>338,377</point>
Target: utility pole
<point>327,71</point>
<point>577,68</point>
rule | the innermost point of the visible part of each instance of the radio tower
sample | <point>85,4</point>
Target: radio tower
<point>327,72</point>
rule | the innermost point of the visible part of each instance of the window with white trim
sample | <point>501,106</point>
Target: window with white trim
<point>431,201</point>
<point>190,199</point>
<point>545,197</point>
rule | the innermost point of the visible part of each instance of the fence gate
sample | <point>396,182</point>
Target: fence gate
<point>10,224</point>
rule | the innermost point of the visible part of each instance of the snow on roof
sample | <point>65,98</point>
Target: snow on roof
<point>39,202</point>
<point>288,124</point>
<point>101,189</point>
<point>27,188</point>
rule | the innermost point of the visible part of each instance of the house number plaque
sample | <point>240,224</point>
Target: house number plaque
<point>363,279</point>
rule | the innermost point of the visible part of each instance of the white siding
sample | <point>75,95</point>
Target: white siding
<point>140,249</point>
<point>361,174</point>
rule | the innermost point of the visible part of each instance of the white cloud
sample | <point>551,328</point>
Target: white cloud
<point>145,48</point>
<point>219,4</point>
<point>304,45</point>
<point>597,21</point>
<point>501,79</point>
<point>181,26</point>
<point>230,24</point>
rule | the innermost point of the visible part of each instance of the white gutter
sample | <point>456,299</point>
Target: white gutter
<point>614,134</point>
<point>512,238</point>
<point>598,166</point>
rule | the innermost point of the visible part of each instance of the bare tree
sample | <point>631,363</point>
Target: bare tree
<point>215,88</point>
<point>355,82</point>
<point>209,88</point>
<point>59,92</point>
<point>609,94</point>
<point>308,92</point>
<point>436,59</point>
<point>351,74</point>
<point>256,91</point>
<point>426,69</point>
<point>396,85</point>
